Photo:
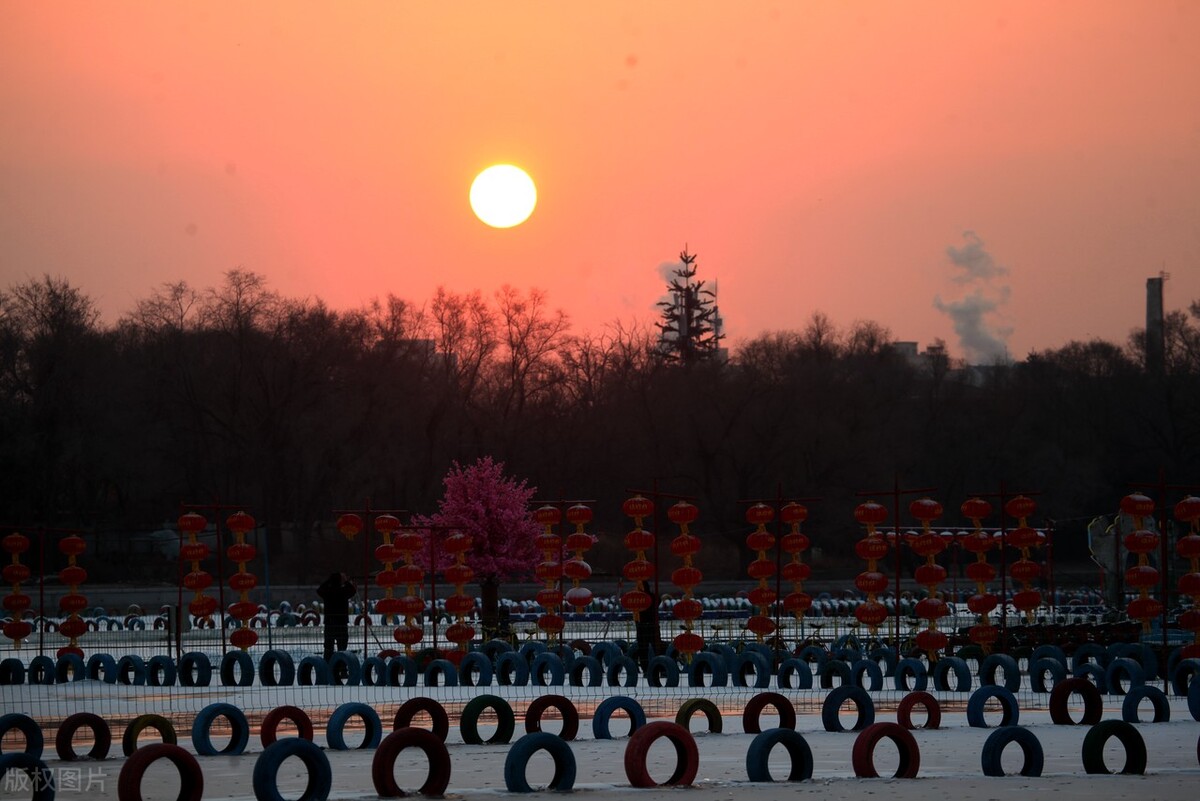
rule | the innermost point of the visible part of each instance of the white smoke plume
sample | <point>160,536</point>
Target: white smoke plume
<point>982,339</point>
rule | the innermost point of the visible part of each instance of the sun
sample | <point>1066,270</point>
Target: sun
<point>503,196</point>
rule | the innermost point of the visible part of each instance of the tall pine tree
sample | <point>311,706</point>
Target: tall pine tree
<point>690,330</point>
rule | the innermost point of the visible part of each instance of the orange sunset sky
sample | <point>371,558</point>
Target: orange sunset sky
<point>904,162</point>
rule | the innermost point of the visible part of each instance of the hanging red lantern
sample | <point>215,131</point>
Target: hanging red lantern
<point>550,571</point>
<point>760,541</point>
<point>982,603</point>
<point>639,541</point>
<point>241,552</point>
<point>387,525</point>
<point>1143,576</point>
<point>872,548</point>
<point>929,575</point>
<point>1024,570</point>
<point>350,525</point>
<point>194,552</point>
<point>686,577</point>
<point>795,543</point>
<point>1188,547</point>
<point>16,603</point>
<point>408,542</point>
<point>576,568</point>
<point>460,604</point>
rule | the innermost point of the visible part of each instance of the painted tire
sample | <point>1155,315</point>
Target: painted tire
<point>270,724</point>
<point>940,675</point>
<point>266,770</point>
<point>202,728</point>
<point>751,715</point>
<point>977,706</point>
<point>662,671</point>
<point>468,722</point>
<point>1122,667</point>
<point>164,727</point>
<point>994,662</point>
<point>266,669</point>
<point>1130,737</point>
<point>101,736</point>
<point>813,653</point>
<point>687,755</point>
<point>334,731</point>
<point>41,670</point>
<point>374,672</point>
<point>401,672</point>
<point>39,775</point>
<point>1193,699</point>
<point>606,652</point>
<point>512,670</point>
<point>69,667</point>
<point>591,665</point>
<point>570,715</point>
<point>161,671</point>
<point>237,669</point>
<point>35,743</point>
<point>1038,669</point>
<point>887,655</point>
<point>102,667</point>
<point>475,670</point>
<point>1093,704</point>
<point>759,752</point>
<point>439,720</point>
<point>863,756</point>
<point>493,648</point>
<point>832,705</point>
<point>933,710</point>
<point>547,670</point>
<point>564,652</point>
<point>195,670</point>
<point>1089,653</point>
<point>517,761</point>
<point>314,671</point>
<point>383,766</point>
<point>689,708</point>
<point>1134,698</point>
<point>835,667</point>
<point>582,646</point>
<point>444,668</point>
<point>341,661</point>
<point>621,665</point>
<point>131,671</point>
<point>794,674</point>
<point>704,662</point>
<point>529,650</point>
<point>914,669</point>
<point>191,778</point>
<point>865,669</point>
<point>1185,673</point>
<point>1049,652</point>
<point>605,710</point>
<point>741,665</point>
<point>993,749</point>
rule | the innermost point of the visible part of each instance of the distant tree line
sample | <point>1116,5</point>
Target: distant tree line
<point>235,393</point>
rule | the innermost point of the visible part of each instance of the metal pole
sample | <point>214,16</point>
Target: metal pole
<point>778,570</point>
<point>366,588</point>
<point>221,581</point>
<point>267,583</point>
<point>1003,573</point>
<point>433,588</point>
<point>896,528</point>
<point>179,602</point>
<point>42,589</point>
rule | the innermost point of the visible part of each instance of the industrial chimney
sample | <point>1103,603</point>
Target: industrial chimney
<point>1155,327</point>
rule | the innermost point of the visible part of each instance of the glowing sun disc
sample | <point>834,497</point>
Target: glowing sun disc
<point>503,196</point>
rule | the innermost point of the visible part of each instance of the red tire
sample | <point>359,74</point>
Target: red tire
<point>191,778</point>
<point>101,736</point>
<point>933,710</point>
<point>383,766</point>
<point>687,756</point>
<point>570,715</point>
<point>1093,704</point>
<point>862,758</point>
<point>281,713</point>
<point>756,705</point>
<point>420,703</point>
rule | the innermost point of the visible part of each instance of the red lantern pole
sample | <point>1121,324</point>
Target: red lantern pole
<point>350,523</point>
<point>241,552</point>
<point>214,508</point>
<point>549,513</point>
<point>929,575</point>
<point>16,602</point>
<point>982,603</point>
<point>686,577</point>
<point>549,571</point>
<point>1188,547</point>
<point>73,602</point>
<point>656,496</point>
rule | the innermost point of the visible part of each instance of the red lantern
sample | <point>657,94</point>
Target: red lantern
<point>1024,570</point>
<point>243,580</point>
<point>795,543</point>
<point>1188,547</point>
<point>636,601</point>
<point>403,544</point>
<point>760,541</point>
<point>870,514</point>
<point>871,613</point>
<point>686,576</point>
<point>243,638</point>
<point>194,552</point>
<point>460,604</point>
<point>925,509</point>
<point>550,571</point>
<point>350,525</point>
<point>683,513</point>
<point>1143,542</point>
<point>638,508</point>
<point>984,635</point>
<point>761,625</point>
<point>1137,506</point>
<point>638,570</point>
<point>871,581</point>
<point>929,575</point>
<point>1020,507</point>
<point>975,509</point>
<point>639,541</point>
<point>931,641</point>
<point>73,602</point>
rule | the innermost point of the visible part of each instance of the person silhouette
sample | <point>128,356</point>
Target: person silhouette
<point>336,591</point>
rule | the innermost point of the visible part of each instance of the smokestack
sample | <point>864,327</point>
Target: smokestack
<point>1155,328</point>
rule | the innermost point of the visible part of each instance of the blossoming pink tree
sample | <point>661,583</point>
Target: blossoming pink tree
<point>493,509</point>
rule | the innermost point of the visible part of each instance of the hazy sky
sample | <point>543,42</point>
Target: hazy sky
<point>1015,169</point>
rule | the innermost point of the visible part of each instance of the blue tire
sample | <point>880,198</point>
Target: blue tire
<point>237,669</point>
<point>475,670</point>
<point>345,669</point>
<point>161,671</point>
<point>531,649</point>
<point>493,648</point>
<point>914,670</point>
<point>40,777</point>
<point>272,659</point>
<point>794,674</point>
<point>867,674</point>
<point>994,662</point>
<point>815,654</point>
<point>1038,670</point>
<point>662,671</point>
<point>41,670</point>
<point>1123,668</point>
<point>266,769</point>
<point>835,667</point>
<point>202,728</point>
<point>512,670</point>
<point>887,655</point>
<point>195,670</point>
<point>976,706</point>
<point>374,672</point>
<point>401,672</point>
<point>547,670</point>
<point>517,761</point>
<point>334,731</point>
<point>759,753</point>
<point>618,666</point>
<point>444,668</point>
<point>1049,652</point>
<point>69,667</point>
<point>1031,747</point>
<point>1092,671</point>
<point>102,667</point>
<point>35,743</point>
<point>131,670</point>
<point>12,671</point>
<point>605,710</point>
<point>1185,674</point>
<point>313,671</point>
<point>940,675</point>
<point>746,662</point>
<point>831,708</point>
<point>710,663</point>
<point>1088,653</point>
<point>1134,698</point>
<point>589,665</point>
<point>1193,699</point>
<point>468,721</point>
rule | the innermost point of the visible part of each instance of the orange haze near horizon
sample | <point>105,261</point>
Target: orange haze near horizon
<point>817,156</point>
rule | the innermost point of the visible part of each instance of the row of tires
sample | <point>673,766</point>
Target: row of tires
<point>687,762</point>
